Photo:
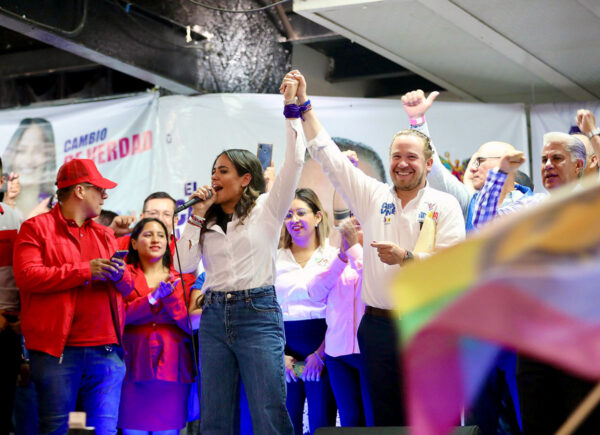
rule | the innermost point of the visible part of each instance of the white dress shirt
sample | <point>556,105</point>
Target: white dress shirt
<point>292,279</point>
<point>383,218</point>
<point>244,257</point>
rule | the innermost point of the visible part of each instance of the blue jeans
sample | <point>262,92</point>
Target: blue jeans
<point>26,410</point>
<point>88,376</point>
<point>351,389</point>
<point>241,333</point>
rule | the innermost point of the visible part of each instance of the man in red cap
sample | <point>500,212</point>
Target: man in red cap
<point>72,303</point>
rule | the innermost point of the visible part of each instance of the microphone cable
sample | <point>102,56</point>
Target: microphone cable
<point>186,299</point>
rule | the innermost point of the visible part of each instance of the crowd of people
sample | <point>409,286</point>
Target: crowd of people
<point>98,312</point>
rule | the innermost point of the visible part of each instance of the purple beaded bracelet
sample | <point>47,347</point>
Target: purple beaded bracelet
<point>296,111</point>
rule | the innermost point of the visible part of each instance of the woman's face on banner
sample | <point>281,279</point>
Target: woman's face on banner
<point>30,156</point>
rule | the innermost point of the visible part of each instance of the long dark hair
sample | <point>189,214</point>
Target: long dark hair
<point>46,149</point>
<point>245,163</point>
<point>133,257</point>
<point>312,200</point>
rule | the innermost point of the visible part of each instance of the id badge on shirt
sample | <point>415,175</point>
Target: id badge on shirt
<point>388,209</point>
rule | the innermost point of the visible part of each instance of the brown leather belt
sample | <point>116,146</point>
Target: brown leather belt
<point>379,312</point>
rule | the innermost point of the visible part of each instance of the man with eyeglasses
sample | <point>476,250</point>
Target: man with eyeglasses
<point>563,163</point>
<point>486,157</point>
<point>547,395</point>
<point>159,205</point>
<point>72,310</point>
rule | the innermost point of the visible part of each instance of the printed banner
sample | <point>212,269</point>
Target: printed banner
<point>117,134</point>
<point>194,130</point>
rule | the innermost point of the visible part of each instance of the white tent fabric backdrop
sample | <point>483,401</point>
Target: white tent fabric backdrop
<point>169,143</point>
<point>193,130</point>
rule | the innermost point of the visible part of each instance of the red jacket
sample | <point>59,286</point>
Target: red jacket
<point>161,330</point>
<point>49,274</point>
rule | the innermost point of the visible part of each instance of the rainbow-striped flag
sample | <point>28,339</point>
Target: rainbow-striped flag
<point>529,282</point>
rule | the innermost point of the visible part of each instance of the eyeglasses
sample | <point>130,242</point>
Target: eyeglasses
<point>158,213</point>
<point>98,189</point>
<point>479,160</point>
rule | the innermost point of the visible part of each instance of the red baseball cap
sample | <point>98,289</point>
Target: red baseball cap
<point>81,171</point>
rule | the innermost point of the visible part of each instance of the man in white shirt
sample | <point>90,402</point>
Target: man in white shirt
<point>391,218</point>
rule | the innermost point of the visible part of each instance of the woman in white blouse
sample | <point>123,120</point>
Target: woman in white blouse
<point>305,253</point>
<point>235,231</point>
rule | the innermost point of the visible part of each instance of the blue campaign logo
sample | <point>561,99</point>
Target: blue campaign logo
<point>387,210</point>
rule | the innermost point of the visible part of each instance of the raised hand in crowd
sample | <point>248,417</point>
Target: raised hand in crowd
<point>290,374</point>
<point>390,253</point>
<point>120,225</point>
<point>302,88</point>
<point>13,188</point>
<point>289,87</point>
<point>416,105</point>
<point>208,195</point>
<point>315,363</point>
<point>511,161</point>
<point>269,177</point>
<point>586,121</point>
<point>349,233</point>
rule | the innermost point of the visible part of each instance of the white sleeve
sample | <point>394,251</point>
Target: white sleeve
<point>284,186</point>
<point>320,285</point>
<point>441,178</point>
<point>355,187</point>
<point>188,249</point>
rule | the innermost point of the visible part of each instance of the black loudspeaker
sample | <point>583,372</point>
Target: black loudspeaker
<point>399,430</point>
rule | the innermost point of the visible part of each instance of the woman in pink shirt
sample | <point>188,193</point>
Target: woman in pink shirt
<point>339,287</point>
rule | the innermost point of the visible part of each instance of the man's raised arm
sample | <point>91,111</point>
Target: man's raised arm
<point>416,106</point>
<point>355,187</point>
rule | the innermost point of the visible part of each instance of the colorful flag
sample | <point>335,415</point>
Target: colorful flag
<point>528,282</point>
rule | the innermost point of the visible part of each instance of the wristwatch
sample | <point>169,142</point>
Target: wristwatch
<point>409,256</point>
<point>594,132</point>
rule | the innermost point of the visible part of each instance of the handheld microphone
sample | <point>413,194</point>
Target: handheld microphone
<point>191,202</point>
